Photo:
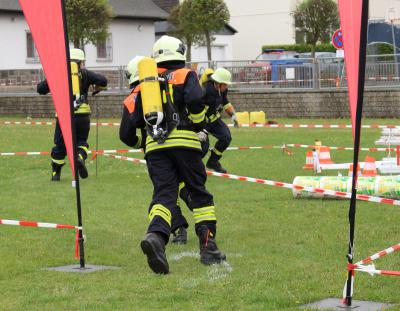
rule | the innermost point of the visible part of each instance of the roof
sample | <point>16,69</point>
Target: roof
<point>122,8</point>
<point>164,27</point>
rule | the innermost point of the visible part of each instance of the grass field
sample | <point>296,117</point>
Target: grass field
<point>282,252</point>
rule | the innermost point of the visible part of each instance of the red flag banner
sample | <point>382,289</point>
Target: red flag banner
<point>46,22</point>
<point>350,23</point>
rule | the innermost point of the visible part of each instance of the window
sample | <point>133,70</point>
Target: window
<point>31,53</point>
<point>104,50</point>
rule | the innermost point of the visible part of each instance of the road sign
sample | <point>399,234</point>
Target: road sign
<point>337,39</point>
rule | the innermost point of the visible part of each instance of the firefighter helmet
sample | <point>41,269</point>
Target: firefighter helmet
<point>205,75</point>
<point>169,48</point>
<point>222,75</point>
<point>132,69</point>
<point>77,54</point>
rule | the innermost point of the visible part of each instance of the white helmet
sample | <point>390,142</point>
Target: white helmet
<point>222,75</point>
<point>168,48</point>
<point>77,54</point>
<point>132,68</point>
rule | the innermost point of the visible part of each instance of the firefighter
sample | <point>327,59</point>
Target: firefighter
<point>173,153</point>
<point>81,117</point>
<point>127,134</point>
<point>216,100</point>
<point>127,130</point>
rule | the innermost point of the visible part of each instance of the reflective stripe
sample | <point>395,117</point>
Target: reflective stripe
<point>177,138</point>
<point>214,117</point>
<point>58,161</point>
<point>83,108</point>
<point>181,186</point>
<point>138,143</point>
<point>162,211</point>
<point>227,106</point>
<point>197,117</point>
<point>218,153</point>
<point>84,148</point>
<point>204,214</point>
<point>176,143</point>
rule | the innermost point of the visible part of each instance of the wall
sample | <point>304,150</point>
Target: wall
<point>318,104</point>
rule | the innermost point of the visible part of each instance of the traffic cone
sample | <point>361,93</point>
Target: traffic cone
<point>309,161</point>
<point>351,170</point>
<point>325,155</point>
<point>369,167</point>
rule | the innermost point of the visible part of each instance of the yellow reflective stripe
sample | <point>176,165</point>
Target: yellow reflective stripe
<point>58,161</point>
<point>83,108</point>
<point>181,186</point>
<point>162,211</point>
<point>218,153</point>
<point>138,143</point>
<point>84,148</point>
<point>227,106</point>
<point>204,214</point>
<point>197,117</point>
<point>214,117</point>
<point>171,144</point>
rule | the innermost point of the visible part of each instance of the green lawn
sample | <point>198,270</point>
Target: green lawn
<point>282,252</point>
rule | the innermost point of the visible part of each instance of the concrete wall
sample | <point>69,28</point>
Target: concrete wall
<point>318,104</point>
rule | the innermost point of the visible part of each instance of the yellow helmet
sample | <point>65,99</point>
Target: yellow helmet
<point>222,75</point>
<point>132,68</point>
<point>168,48</point>
<point>205,75</point>
<point>77,54</point>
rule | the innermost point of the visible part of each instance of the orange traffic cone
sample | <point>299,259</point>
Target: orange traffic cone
<point>351,170</point>
<point>369,167</point>
<point>325,155</point>
<point>309,161</point>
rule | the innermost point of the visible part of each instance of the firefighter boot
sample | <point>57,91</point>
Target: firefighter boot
<point>82,170</point>
<point>56,171</point>
<point>209,252</point>
<point>214,164</point>
<point>153,246</point>
<point>180,236</point>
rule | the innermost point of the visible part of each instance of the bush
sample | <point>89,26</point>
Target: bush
<point>302,48</point>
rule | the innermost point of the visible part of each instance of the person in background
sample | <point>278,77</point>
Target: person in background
<point>216,100</point>
<point>81,116</point>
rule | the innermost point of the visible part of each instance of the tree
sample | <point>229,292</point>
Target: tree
<point>316,19</point>
<point>88,21</point>
<point>185,27</point>
<point>209,16</point>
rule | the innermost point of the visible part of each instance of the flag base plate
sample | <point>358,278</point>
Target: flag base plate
<point>77,268</point>
<point>336,304</point>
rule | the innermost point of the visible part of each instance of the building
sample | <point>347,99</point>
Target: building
<point>131,33</point>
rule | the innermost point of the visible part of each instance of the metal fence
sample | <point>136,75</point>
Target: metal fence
<point>297,74</point>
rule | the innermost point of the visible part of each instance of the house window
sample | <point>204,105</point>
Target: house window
<point>104,50</point>
<point>31,53</point>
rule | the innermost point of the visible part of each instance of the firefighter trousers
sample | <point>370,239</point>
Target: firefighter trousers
<point>166,169</point>
<point>81,122</point>
<point>220,130</point>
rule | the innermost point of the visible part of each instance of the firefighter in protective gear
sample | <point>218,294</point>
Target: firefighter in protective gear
<point>81,117</point>
<point>178,158</point>
<point>127,130</point>
<point>216,100</point>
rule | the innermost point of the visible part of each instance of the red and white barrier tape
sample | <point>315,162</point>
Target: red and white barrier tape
<point>339,194</point>
<point>90,152</point>
<point>266,125</point>
<point>373,149</point>
<point>380,254</point>
<point>36,224</point>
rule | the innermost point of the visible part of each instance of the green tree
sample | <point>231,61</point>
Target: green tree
<point>210,16</point>
<point>317,19</point>
<point>185,27</point>
<point>88,21</point>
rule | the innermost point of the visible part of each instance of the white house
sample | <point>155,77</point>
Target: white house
<point>131,33</point>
